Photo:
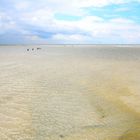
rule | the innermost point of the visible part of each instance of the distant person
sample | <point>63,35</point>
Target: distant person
<point>38,48</point>
<point>27,49</point>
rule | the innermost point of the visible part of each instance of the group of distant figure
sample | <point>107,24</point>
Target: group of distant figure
<point>33,49</point>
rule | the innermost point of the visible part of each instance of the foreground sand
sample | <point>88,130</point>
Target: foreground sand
<point>70,93</point>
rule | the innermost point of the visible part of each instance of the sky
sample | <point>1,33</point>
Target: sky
<point>69,21</point>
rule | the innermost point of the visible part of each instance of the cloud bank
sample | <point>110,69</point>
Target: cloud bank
<point>75,21</point>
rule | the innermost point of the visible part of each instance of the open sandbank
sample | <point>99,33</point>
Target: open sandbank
<point>70,92</point>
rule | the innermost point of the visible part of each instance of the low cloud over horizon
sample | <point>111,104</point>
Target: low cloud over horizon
<point>69,22</point>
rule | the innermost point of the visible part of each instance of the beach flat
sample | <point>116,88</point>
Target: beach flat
<point>69,92</point>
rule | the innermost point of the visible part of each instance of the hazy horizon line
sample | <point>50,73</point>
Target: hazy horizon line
<point>64,44</point>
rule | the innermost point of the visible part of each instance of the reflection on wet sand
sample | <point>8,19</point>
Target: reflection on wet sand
<point>70,93</point>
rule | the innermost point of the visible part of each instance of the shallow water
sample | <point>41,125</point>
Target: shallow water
<point>69,92</point>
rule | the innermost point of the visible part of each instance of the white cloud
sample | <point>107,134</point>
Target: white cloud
<point>122,21</point>
<point>89,30</point>
<point>6,23</point>
<point>74,7</point>
<point>82,3</point>
<point>22,5</point>
<point>84,30</point>
<point>71,38</point>
<point>39,15</point>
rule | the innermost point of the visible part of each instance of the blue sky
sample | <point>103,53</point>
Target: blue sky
<point>70,21</point>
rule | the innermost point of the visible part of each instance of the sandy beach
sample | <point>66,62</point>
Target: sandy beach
<point>70,92</point>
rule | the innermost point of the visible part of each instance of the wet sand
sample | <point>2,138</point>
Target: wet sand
<point>70,93</point>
